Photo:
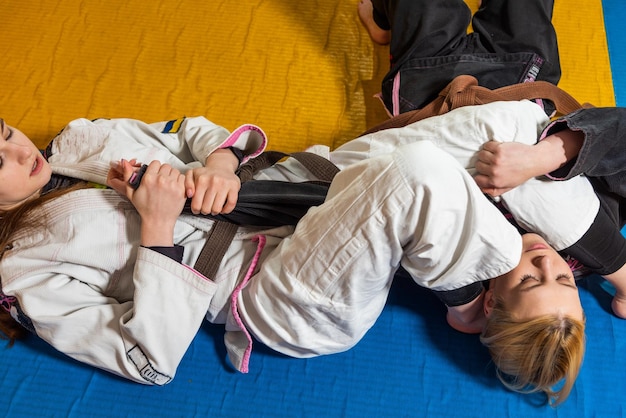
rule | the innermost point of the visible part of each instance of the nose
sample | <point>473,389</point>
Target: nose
<point>544,264</point>
<point>21,153</point>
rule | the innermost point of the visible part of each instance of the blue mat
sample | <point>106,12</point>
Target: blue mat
<point>410,364</point>
<point>614,18</point>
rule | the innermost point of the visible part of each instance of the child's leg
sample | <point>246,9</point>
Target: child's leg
<point>421,28</point>
<point>506,26</point>
<point>366,14</point>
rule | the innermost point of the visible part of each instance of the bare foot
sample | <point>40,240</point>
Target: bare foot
<point>378,35</point>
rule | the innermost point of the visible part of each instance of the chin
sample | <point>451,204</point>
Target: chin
<point>45,175</point>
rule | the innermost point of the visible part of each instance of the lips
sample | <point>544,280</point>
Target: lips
<point>36,166</point>
<point>537,247</point>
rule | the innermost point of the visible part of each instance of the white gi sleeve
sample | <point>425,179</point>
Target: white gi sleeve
<point>142,339</point>
<point>203,137</point>
<point>85,149</point>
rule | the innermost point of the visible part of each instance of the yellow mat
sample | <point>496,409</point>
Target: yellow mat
<point>304,71</point>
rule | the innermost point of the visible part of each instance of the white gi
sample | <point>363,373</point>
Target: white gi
<point>93,293</point>
<point>411,205</point>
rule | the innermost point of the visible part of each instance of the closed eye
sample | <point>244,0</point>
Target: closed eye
<point>566,280</point>
<point>2,129</point>
<point>5,131</point>
<point>527,277</point>
<point>562,279</point>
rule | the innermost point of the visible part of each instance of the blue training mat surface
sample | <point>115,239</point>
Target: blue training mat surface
<point>409,364</point>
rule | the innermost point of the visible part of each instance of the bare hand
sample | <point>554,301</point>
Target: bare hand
<point>502,166</point>
<point>159,199</point>
<point>214,188</point>
<point>115,176</point>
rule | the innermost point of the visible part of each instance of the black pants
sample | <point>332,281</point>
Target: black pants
<point>513,41</point>
<point>602,159</point>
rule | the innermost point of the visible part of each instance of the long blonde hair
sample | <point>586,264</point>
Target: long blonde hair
<point>22,219</point>
<point>536,355</point>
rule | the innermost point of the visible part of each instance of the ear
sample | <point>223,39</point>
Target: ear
<point>488,303</point>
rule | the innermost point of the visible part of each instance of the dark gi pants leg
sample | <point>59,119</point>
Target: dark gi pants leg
<point>513,41</point>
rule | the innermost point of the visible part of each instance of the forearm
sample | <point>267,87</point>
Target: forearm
<point>603,151</point>
<point>556,150</point>
<point>223,158</point>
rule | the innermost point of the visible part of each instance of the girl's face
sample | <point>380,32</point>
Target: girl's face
<point>23,170</point>
<point>541,284</point>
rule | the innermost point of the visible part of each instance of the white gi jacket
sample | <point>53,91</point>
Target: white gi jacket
<point>85,283</point>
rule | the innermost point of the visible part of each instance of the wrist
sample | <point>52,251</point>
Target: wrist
<point>223,157</point>
<point>157,234</point>
<point>237,153</point>
<point>559,148</point>
<point>548,156</point>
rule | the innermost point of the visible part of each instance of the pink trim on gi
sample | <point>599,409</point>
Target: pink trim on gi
<point>395,95</point>
<point>543,136</point>
<point>234,136</point>
<point>233,301</point>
